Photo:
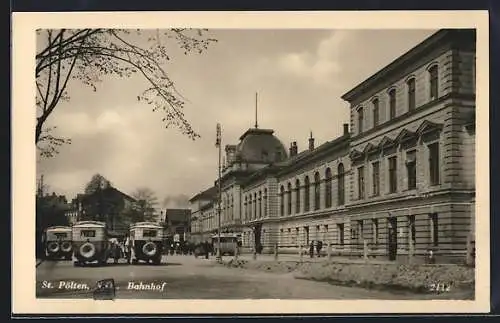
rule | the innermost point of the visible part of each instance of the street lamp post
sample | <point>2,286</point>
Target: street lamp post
<point>218,145</point>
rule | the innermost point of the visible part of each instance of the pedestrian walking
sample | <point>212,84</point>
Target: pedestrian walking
<point>311,249</point>
<point>128,251</point>
<point>319,246</point>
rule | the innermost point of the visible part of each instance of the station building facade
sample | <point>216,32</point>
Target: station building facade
<point>401,176</point>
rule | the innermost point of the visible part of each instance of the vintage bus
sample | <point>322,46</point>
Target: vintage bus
<point>146,240</point>
<point>58,242</point>
<point>90,242</point>
<point>228,243</point>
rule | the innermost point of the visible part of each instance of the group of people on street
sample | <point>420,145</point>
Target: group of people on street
<point>121,249</point>
<point>315,244</point>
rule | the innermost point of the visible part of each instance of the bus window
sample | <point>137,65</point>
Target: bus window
<point>88,233</point>
<point>149,233</point>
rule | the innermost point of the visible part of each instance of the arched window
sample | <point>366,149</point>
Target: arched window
<point>246,207</point>
<point>250,206</point>
<point>375,103</point>
<point>255,205</point>
<point>265,202</point>
<point>341,184</point>
<point>317,182</point>
<point>328,188</point>
<point>360,120</point>
<point>282,201</point>
<point>411,93</point>
<point>289,199</point>
<point>433,82</point>
<point>306,194</point>
<point>260,205</point>
<point>297,196</point>
<point>392,104</point>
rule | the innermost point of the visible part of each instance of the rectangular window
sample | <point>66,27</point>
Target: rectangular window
<point>88,233</point>
<point>434,230</point>
<point>361,182</point>
<point>150,233</point>
<point>411,94</point>
<point>360,230</point>
<point>411,169</point>
<point>434,163</point>
<point>393,176</point>
<point>375,113</point>
<point>412,232</point>
<point>375,231</point>
<point>360,120</point>
<point>340,228</point>
<point>433,75</point>
<point>392,104</point>
<point>376,178</point>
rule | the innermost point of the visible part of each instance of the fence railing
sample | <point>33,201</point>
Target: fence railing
<point>369,251</point>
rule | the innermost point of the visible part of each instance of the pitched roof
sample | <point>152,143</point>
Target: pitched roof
<point>208,194</point>
<point>178,214</point>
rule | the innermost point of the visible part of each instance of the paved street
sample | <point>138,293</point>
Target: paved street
<point>189,278</point>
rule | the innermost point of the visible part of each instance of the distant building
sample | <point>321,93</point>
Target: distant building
<point>108,205</point>
<point>177,221</point>
<point>402,173</point>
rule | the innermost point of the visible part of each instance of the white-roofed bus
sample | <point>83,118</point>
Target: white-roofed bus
<point>58,242</point>
<point>228,243</point>
<point>147,242</point>
<point>90,243</point>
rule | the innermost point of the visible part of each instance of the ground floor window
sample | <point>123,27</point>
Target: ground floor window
<point>340,229</point>
<point>434,228</point>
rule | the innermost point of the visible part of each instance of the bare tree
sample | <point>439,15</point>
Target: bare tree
<point>147,202</point>
<point>86,55</point>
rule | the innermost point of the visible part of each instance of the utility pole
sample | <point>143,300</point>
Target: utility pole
<point>218,145</point>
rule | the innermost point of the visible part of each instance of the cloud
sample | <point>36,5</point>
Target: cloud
<point>321,65</point>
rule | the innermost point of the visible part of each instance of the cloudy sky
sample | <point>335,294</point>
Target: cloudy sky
<point>299,75</point>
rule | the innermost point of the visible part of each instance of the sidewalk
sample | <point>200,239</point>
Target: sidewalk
<point>306,258</point>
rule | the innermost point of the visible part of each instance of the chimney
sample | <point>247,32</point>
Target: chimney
<point>311,142</point>
<point>291,149</point>
<point>346,129</point>
<point>295,149</point>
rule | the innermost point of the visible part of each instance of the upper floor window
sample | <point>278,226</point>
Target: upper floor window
<point>411,169</point>
<point>341,184</point>
<point>360,120</point>
<point>328,188</point>
<point>433,82</point>
<point>375,103</point>
<point>265,202</point>
<point>392,103</point>
<point>411,94</point>
<point>434,163</point>
<point>361,182</point>
<point>282,201</point>
<point>297,196</point>
<point>317,183</point>
<point>306,194</point>
<point>376,178</point>
<point>393,174</point>
<point>260,204</point>
<point>289,199</point>
<point>255,206</point>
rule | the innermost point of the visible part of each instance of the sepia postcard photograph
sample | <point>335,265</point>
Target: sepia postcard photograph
<point>246,162</point>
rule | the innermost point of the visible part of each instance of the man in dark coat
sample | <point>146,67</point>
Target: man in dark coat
<point>319,246</point>
<point>311,249</point>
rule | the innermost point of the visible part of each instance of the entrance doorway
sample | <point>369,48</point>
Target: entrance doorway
<point>392,238</point>
<point>257,234</point>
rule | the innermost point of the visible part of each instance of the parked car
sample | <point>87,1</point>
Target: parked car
<point>90,242</point>
<point>58,242</point>
<point>147,242</point>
